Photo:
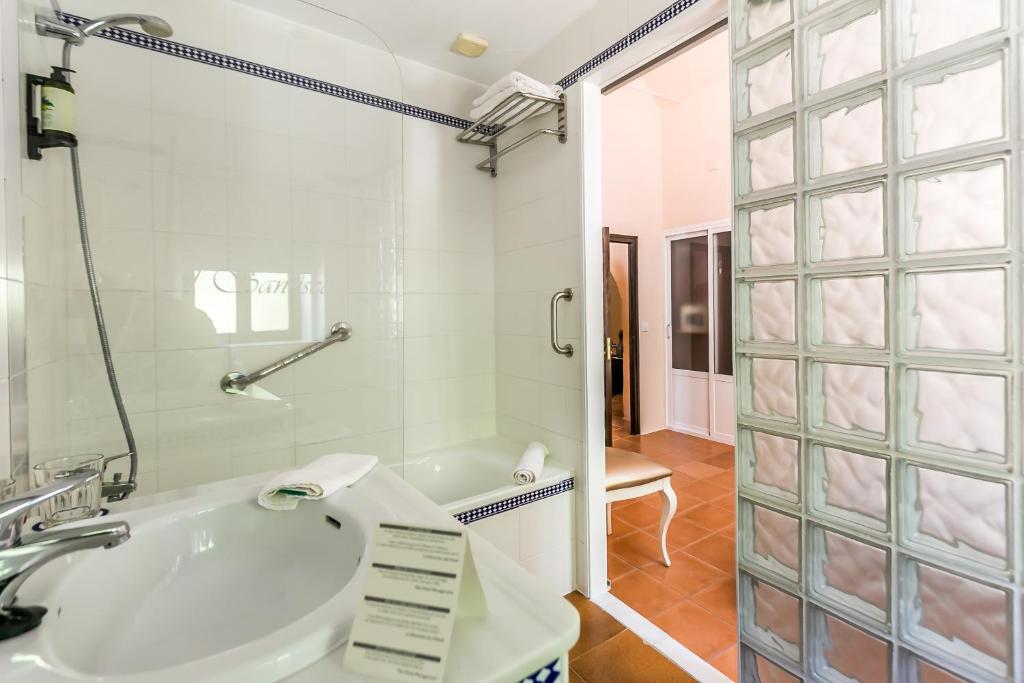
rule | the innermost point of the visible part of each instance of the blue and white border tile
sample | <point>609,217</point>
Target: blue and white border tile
<point>546,674</point>
<point>642,31</point>
<point>496,508</point>
<point>222,61</point>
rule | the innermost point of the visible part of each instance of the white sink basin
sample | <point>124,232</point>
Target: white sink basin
<point>210,587</point>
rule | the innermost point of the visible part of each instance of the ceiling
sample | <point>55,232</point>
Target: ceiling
<point>423,30</point>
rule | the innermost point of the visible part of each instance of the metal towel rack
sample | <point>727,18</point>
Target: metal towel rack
<point>237,382</point>
<point>512,111</point>
<point>563,349</point>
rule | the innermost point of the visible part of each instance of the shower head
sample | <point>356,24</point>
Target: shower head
<point>55,28</point>
<point>154,26</point>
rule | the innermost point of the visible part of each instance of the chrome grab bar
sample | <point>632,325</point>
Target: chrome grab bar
<point>237,382</point>
<point>563,349</point>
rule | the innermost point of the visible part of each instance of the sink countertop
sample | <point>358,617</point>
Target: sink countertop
<point>527,627</point>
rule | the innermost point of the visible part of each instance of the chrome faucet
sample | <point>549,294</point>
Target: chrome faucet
<point>21,556</point>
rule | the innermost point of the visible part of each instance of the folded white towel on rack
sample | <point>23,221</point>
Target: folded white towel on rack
<point>319,479</point>
<point>518,82</point>
<point>507,86</point>
<point>489,105</point>
<point>531,465</point>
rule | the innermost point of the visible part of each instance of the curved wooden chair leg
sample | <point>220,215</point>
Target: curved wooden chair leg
<point>668,511</point>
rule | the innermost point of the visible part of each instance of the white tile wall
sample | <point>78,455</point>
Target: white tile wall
<point>195,169</point>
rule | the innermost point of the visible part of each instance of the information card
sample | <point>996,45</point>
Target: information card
<point>418,580</point>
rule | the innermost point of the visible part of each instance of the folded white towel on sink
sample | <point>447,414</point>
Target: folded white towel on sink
<point>531,465</point>
<point>317,480</point>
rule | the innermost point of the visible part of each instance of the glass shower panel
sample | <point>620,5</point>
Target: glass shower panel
<point>957,208</point>
<point>762,17</point>
<point>847,135</point>
<point>842,652</point>
<point>766,81</point>
<point>769,464</point>
<point>844,47</point>
<point>769,235</point>
<point>775,544</point>
<point>849,311</point>
<point>689,301</point>
<point>765,158</point>
<point>970,93</point>
<point>850,487</point>
<point>238,208</point>
<point>957,413</point>
<point>887,424</point>
<point>850,575</point>
<point>937,300</point>
<point>847,223</point>
<point>934,24</point>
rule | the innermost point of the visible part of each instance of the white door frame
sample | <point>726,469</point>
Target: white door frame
<point>711,229</point>
<point>691,23</point>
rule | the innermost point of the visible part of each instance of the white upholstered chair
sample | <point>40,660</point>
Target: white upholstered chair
<point>631,475</point>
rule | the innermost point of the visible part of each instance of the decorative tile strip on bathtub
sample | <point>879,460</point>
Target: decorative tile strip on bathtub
<point>511,503</point>
<point>535,529</point>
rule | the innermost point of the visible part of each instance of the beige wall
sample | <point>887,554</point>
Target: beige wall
<point>633,205</point>
<point>666,165</point>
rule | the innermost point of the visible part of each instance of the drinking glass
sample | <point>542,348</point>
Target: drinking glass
<point>79,503</point>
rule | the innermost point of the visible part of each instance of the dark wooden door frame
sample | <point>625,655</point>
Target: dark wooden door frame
<point>632,244</point>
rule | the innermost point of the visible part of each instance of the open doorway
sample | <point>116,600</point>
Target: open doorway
<point>622,336</point>
<point>666,141</point>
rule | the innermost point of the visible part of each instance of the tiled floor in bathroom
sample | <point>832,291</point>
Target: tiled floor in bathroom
<point>694,600</point>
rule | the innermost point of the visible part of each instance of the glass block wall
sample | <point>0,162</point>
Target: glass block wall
<point>879,355</point>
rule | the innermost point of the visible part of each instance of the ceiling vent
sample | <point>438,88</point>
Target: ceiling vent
<point>469,45</point>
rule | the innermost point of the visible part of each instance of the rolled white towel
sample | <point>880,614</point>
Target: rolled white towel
<point>517,81</point>
<point>317,480</point>
<point>531,464</point>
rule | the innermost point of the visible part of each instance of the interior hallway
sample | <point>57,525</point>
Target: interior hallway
<point>694,600</point>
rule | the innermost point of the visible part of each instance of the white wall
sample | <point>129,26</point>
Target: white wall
<point>189,167</point>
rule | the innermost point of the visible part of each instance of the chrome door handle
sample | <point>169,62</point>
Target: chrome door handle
<point>563,349</point>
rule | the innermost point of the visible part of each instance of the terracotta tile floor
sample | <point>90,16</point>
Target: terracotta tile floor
<point>607,653</point>
<point>694,600</point>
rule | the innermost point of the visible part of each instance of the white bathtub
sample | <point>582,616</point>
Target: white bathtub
<point>532,524</point>
<point>474,474</point>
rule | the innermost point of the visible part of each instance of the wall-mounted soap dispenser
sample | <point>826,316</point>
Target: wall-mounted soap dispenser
<point>50,112</point>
